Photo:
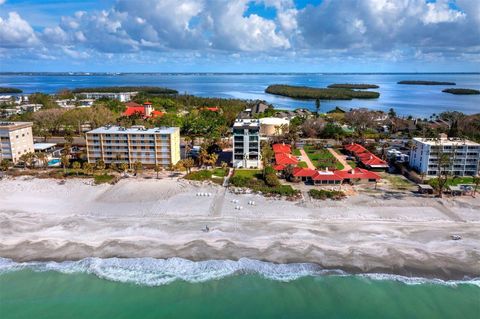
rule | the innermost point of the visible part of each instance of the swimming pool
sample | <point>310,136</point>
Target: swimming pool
<point>54,162</point>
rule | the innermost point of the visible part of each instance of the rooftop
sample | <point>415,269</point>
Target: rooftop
<point>274,121</point>
<point>133,130</point>
<point>4,125</point>
<point>246,123</point>
<point>43,146</point>
<point>445,141</point>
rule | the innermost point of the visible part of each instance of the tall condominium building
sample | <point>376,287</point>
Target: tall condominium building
<point>16,139</point>
<point>464,156</point>
<point>246,143</point>
<point>115,144</point>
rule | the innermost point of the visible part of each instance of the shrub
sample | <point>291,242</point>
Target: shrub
<point>324,194</point>
<point>199,175</point>
<point>272,180</point>
<point>240,181</point>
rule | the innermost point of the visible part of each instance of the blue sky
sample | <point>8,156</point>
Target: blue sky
<point>240,35</point>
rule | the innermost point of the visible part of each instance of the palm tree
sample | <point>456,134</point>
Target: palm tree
<point>212,159</point>
<point>188,164</point>
<point>137,167</point>
<point>124,167</point>
<point>188,146</point>
<point>100,165</point>
<point>5,165</point>
<point>317,107</point>
<point>76,167</point>
<point>202,157</point>
<point>42,158</point>
<point>65,162</point>
<point>158,169</point>
<point>476,181</point>
<point>88,168</point>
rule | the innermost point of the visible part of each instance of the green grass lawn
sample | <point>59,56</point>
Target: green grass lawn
<point>296,152</point>
<point>250,173</point>
<point>322,158</point>
<point>220,172</point>
<point>455,181</point>
<point>353,164</point>
<point>302,164</point>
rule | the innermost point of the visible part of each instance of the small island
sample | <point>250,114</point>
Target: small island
<point>353,86</point>
<point>311,93</point>
<point>426,83</point>
<point>10,90</point>
<point>462,91</point>
<point>122,89</point>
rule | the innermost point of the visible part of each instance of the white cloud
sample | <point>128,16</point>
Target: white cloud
<point>440,12</point>
<point>388,29</point>
<point>16,32</point>
<point>233,31</point>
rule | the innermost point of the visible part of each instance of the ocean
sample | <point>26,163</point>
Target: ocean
<point>416,100</point>
<point>178,288</point>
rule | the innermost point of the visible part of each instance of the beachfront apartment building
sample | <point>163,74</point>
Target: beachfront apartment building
<point>116,144</point>
<point>464,156</point>
<point>16,139</point>
<point>246,143</point>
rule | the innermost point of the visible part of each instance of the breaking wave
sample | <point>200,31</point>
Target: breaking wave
<point>157,272</point>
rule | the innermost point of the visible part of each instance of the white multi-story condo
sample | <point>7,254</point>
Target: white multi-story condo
<point>16,139</point>
<point>464,156</point>
<point>246,143</point>
<point>122,96</point>
<point>115,144</point>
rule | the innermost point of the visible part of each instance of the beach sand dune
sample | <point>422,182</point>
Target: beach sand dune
<point>43,220</point>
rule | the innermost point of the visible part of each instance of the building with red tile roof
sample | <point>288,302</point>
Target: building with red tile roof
<point>146,110</point>
<point>212,109</point>
<point>358,174</point>
<point>282,148</point>
<point>365,157</point>
<point>282,160</point>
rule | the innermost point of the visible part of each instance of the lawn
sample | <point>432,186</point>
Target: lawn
<point>250,173</point>
<point>353,164</point>
<point>455,181</point>
<point>296,152</point>
<point>322,158</point>
<point>302,164</point>
<point>220,172</point>
<point>398,181</point>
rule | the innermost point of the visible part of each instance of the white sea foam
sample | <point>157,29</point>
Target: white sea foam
<point>157,272</point>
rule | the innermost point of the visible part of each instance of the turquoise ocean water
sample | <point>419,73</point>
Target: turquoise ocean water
<point>147,288</point>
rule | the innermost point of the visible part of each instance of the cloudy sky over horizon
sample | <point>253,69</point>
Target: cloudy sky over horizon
<point>240,35</point>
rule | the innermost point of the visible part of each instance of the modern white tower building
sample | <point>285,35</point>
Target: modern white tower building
<point>463,154</point>
<point>246,143</point>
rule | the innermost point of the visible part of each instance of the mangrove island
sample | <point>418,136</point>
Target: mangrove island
<point>461,91</point>
<point>426,83</point>
<point>304,92</point>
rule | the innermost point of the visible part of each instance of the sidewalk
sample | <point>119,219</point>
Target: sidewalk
<point>341,159</point>
<point>306,159</point>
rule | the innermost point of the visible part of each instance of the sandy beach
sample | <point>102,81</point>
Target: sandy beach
<point>406,235</point>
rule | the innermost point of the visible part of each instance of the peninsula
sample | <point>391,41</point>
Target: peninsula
<point>10,90</point>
